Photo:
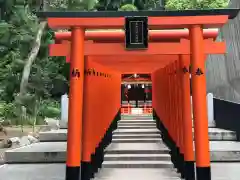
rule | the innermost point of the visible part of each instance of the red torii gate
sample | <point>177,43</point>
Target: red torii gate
<point>119,35</point>
<point>196,48</point>
<point>169,53</point>
<point>161,54</point>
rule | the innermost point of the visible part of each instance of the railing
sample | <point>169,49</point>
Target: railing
<point>136,111</point>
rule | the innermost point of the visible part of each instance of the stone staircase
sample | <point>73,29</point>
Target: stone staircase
<point>137,153</point>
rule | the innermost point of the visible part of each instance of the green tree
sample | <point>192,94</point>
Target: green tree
<point>114,5</point>
<point>128,7</point>
<point>195,4</point>
<point>29,78</point>
<point>152,4</point>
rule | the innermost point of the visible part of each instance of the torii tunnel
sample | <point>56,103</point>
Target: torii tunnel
<point>175,40</point>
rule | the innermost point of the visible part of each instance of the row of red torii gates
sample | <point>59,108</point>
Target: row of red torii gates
<point>167,57</point>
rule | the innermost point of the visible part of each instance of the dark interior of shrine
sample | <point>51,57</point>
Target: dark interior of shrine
<point>136,91</point>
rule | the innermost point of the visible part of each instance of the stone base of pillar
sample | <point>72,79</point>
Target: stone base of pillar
<point>189,170</point>
<point>181,165</point>
<point>73,173</point>
<point>86,171</point>
<point>203,173</point>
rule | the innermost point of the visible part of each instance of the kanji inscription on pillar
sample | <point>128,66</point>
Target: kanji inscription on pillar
<point>199,72</point>
<point>75,73</point>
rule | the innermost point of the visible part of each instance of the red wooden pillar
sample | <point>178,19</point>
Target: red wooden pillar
<point>189,170</point>
<point>180,117</point>
<point>166,100</point>
<point>74,138</point>
<point>199,90</point>
<point>176,119</point>
<point>169,97</point>
<point>164,88</point>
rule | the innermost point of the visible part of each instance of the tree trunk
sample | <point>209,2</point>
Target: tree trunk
<point>31,58</point>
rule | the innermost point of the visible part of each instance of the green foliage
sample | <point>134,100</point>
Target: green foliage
<point>128,7</point>
<point>195,4</point>
<point>7,110</point>
<point>152,4</point>
<point>214,4</point>
<point>82,5</point>
<point>60,5</point>
<point>47,108</point>
<point>179,4</point>
<point>114,5</point>
<point>51,112</point>
<point>50,108</point>
<point>17,35</point>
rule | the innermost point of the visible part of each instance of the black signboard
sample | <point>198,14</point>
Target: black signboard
<point>136,32</point>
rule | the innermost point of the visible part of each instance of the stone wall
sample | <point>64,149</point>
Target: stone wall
<point>223,71</point>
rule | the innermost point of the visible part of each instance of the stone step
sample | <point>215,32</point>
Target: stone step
<point>137,157</point>
<point>53,135</point>
<point>216,134</point>
<point>137,140</point>
<point>136,136</point>
<point>137,164</point>
<point>136,117</point>
<point>43,152</point>
<point>137,174</point>
<point>225,151</point>
<point>136,127</point>
<point>131,121</point>
<point>137,148</point>
<point>63,124</point>
<point>136,124</point>
<point>157,138</point>
<point>136,131</point>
